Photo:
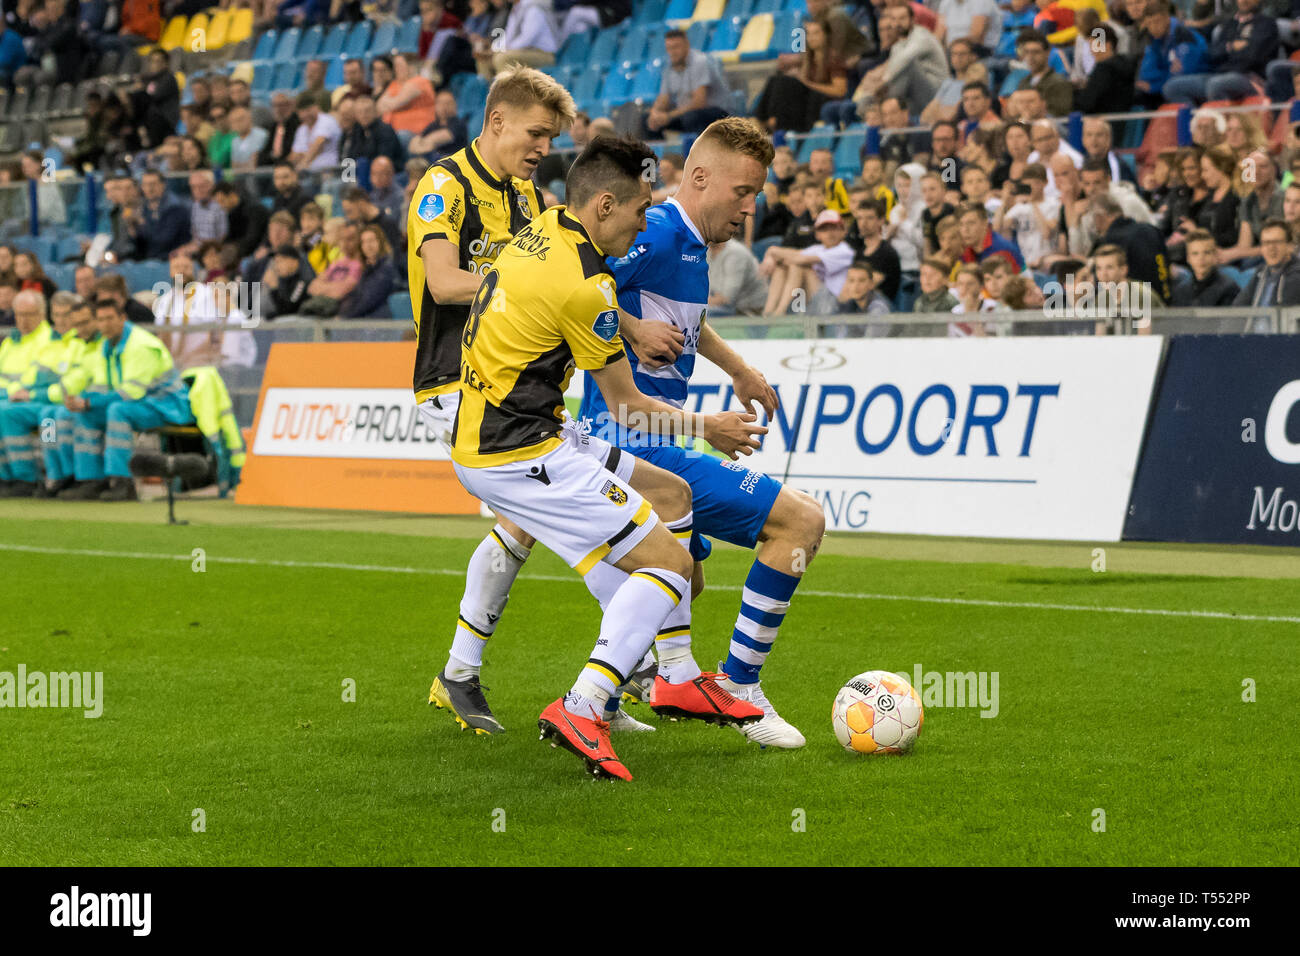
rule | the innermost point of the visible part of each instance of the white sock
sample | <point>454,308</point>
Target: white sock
<point>491,573</point>
<point>673,642</point>
<point>633,616</point>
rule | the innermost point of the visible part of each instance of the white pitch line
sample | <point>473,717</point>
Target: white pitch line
<point>573,579</point>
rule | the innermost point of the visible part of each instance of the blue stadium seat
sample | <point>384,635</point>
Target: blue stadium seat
<point>287,46</point>
<point>783,27</point>
<point>616,86</point>
<point>575,49</point>
<point>679,9</point>
<point>646,81</point>
<point>310,44</point>
<point>43,248</point>
<point>70,246</point>
<point>334,73</point>
<point>384,39</point>
<point>286,76</point>
<point>725,35</point>
<point>604,47</point>
<point>650,12</point>
<point>586,87</point>
<point>766,6</point>
<point>408,37</point>
<point>817,139</point>
<point>738,8</point>
<point>632,48</point>
<point>334,40</point>
<point>265,48</point>
<point>697,34</point>
<point>399,306</point>
<point>848,150</point>
<point>358,42</point>
<point>1012,81</point>
<point>262,76</point>
<point>799,7</point>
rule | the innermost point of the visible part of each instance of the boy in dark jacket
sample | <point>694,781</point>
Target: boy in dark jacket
<point>1207,286</point>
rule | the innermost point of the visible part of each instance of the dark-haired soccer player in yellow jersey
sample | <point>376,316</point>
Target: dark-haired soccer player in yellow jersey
<point>464,211</point>
<point>549,306</point>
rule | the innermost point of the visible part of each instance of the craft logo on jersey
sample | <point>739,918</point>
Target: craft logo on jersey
<point>614,493</point>
<point>431,207</point>
<point>606,325</point>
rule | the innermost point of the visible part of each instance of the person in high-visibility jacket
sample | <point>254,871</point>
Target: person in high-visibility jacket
<point>18,351</point>
<point>60,369</point>
<point>133,386</point>
<point>210,402</point>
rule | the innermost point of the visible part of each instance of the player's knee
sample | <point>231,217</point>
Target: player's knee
<point>674,501</point>
<point>802,518</point>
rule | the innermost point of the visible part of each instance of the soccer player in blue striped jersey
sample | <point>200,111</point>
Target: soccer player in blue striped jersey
<point>664,278</point>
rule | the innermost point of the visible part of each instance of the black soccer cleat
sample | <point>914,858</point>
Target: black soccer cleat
<point>465,700</point>
<point>639,684</point>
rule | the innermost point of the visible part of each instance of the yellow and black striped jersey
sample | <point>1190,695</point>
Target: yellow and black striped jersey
<point>462,200</point>
<point>549,304</point>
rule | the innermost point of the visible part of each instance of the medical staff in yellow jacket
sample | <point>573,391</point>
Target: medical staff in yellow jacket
<point>133,386</point>
<point>18,351</point>
<point>61,368</point>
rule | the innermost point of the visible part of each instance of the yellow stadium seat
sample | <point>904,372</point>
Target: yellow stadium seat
<point>241,25</point>
<point>243,71</point>
<point>180,80</point>
<point>708,10</point>
<point>197,34</point>
<point>173,36</point>
<point>755,38</point>
<point>145,50</point>
<point>219,29</point>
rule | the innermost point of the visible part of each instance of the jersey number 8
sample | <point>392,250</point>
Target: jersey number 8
<point>481,300</point>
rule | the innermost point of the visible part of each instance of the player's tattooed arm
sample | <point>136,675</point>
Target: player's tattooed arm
<point>749,383</point>
<point>655,343</point>
<point>448,283</point>
<point>732,433</point>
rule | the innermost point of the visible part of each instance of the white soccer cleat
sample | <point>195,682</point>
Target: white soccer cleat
<point>623,722</point>
<point>773,730</point>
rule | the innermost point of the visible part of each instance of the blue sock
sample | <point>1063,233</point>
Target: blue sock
<point>763,604</point>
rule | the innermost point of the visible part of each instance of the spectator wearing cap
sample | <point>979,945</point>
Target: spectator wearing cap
<point>826,262</point>
<point>316,141</point>
<point>287,281</point>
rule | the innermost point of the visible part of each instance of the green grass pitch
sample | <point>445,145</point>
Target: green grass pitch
<point>223,692</point>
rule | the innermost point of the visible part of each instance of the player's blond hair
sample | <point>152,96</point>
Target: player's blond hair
<point>738,134</point>
<point>524,87</point>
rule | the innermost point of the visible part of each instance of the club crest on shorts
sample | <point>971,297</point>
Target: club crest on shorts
<point>606,325</point>
<point>614,493</point>
<point>431,207</point>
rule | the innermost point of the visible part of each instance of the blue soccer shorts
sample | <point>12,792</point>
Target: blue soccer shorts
<point>732,501</point>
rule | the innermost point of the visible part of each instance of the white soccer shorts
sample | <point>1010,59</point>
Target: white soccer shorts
<point>568,501</point>
<point>438,412</point>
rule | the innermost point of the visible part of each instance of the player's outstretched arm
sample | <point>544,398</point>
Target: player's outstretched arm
<point>732,433</point>
<point>448,283</point>
<point>749,384</point>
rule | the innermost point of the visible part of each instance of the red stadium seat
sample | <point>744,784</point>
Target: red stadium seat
<point>1161,134</point>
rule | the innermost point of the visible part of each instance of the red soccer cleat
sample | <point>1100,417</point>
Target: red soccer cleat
<point>701,699</point>
<point>587,738</point>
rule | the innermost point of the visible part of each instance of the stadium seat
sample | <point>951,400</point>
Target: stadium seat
<point>399,306</point>
<point>708,10</point>
<point>632,48</point>
<point>4,103</point>
<point>60,104</point>
<point>679,10</point>
<point>309,46</point>
<point>756,39</point>
<point>241,26</point>
<point>697,34</point>
<point>42,247</point>
<point>575,50</point>
<point>34,134</point>
<point>383,39</point>
<point>408,37</point>
<point>726,34</point>
<point>616,86</point>
<point>286,76</point>
<point>604,47</point>
<point>334,73</point>
<point>646,82</point>
<point>173,35</point>
<point>765,6</point>
<point>848,150</point>
<point>358,41</point>
<point>332,47</point>
<point>1161,134</point>
<point>10,137</point>
<point>39,106</point>
<point>650,12</point>
<point>265,49</point>
<point>817,139</point>
<point>586,87</point>
<point>263,74</point>
<point>18,104</point>
<point>287,45</point>
<point>737,8</point>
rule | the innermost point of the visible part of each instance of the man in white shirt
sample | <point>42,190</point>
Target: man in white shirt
<point>979,21</point>
<point>316,142</point>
